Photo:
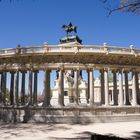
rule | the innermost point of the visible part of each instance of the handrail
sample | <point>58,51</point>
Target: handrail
<point>68,48</point>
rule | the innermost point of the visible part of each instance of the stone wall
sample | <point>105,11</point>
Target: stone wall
<point>69,115</point>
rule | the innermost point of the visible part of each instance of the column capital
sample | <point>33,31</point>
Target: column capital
<point>3,70</point>
<point>30,67</point>
<point>23,71</point>
<point>17,70</point>
<point>90,69</point>
<point>76,69</point>
<point>120,70</point>
<point>114,70</point>
<point>60,68</point>
<point>125,71</point>
<point>12,72</point>
<point>101,70</point>
<point>134,70</point>
<point>106,69</point>
<point>45,67</point>
<point>36,71</point>
<point>4,66</point>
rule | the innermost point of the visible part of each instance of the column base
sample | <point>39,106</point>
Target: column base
<point>92,105</point>
<point>72,105</point>
<point>121,105</point>
<point>45,105</point>
<point>134,104</point>
<point>127,104</point>
<point>35,104</point>
<point>60,106</point>
<point>71,99</point>
<point>114,105</point>
<point>106,105</point>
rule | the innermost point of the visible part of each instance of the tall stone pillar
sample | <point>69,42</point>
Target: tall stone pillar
<point>102,87</point>
<point>106,87</point>
<point>88,92</point>
<point>47,91</point>
<point>61,88</point>
<point>91,87</point>
<point>134,92</point>
<point>70,84</point>
<point>126,88</point>
<point>137,88</point>
<point>3,87</point>
<point>16,88</point>
<point>76,87</point>
<point>121,103</point>
<point>23,88</point>
<point>115,94</point>
<point>12,88</point>
<point>35,87</point>
<point>30,87</point>
<point>0,87</point>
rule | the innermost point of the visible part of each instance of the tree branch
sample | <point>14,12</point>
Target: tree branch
<point>125,6</point>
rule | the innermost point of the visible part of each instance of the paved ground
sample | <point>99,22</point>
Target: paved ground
<point>68,131</point>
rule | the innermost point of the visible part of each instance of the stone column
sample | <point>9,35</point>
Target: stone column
<point>121,103</point>
<point>106,87</point>
<point>91,87</point>
<point>115,94</point>
<point>35,87</point>
<point>134,92</point>
<point>61,88</point>
<point>137,88</point>
<point>76,87</point>
<point>23,88</point>
<point>30,87</point>
<point>102,87</point>
<point>126,88</point>
<point>88,92</point>
<point>16,88</point>
<point>47,91</point>
<point>3,87</point>
<point>12,88</point>
<point>0,87</point>
<point>70,84</point>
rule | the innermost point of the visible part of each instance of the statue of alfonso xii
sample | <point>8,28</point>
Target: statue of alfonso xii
<point>70,38</point>
<point>69,28</point>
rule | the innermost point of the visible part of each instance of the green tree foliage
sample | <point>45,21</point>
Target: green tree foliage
<point>7,95</point>
<point>110,77</point>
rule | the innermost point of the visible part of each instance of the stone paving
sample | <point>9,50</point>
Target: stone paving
<point>30,131</point>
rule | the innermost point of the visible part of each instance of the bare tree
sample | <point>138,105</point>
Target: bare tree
<point>132,6</point>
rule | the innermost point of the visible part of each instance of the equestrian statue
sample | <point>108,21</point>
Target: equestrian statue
<point>69,28</point>
<point>69,37</point>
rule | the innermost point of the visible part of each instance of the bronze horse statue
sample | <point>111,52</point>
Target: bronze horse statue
<point>69,28</point>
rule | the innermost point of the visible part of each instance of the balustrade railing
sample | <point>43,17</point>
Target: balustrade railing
<point>74,48</point>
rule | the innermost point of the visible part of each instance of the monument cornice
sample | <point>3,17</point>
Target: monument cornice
<point>86,54</point>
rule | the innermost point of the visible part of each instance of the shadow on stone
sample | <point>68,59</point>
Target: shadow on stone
<point>106,137</point>
<point>136,135</point>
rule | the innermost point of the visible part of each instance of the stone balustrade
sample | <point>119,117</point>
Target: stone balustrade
<point>66,48</point>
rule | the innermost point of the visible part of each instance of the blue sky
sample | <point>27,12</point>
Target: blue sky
<point>32,22</point>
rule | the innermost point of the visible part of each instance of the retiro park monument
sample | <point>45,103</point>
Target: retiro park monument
<point>72,99</point>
